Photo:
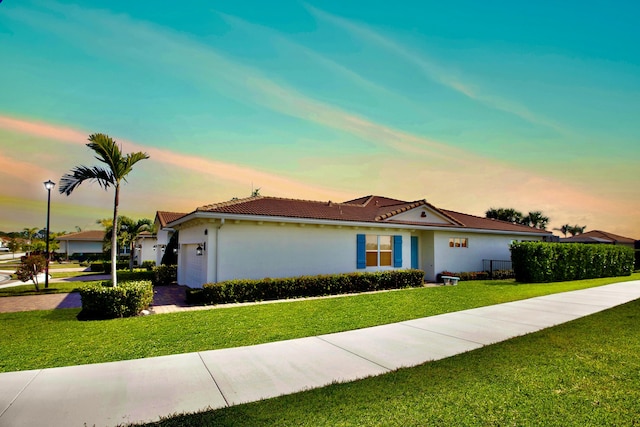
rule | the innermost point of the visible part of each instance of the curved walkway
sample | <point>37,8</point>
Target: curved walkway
<point>145,389</point>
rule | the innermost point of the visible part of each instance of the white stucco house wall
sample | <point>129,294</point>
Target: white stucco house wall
<point>260,237</point>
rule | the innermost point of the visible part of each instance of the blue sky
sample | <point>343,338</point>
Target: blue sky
<point>470,105</point>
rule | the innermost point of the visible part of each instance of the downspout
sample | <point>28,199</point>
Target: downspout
<point>217,263</point>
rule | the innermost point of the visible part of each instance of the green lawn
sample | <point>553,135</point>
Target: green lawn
<point>582,373</point>
<point>30,289</point>
<point>43,339</point>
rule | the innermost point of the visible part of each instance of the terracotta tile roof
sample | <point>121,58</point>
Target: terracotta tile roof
<point>598,236</point>
<point>166,217</point>
<point>95,235</point>
<point>365,209</point>
<point>472,221</point>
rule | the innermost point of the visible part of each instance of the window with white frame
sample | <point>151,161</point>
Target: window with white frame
<point>379,250</point>
<point>458,242</point>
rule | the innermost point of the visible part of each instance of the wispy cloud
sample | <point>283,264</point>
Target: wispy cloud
<point>194,164</point>
<point>139,41</point>
<point>446,76</point>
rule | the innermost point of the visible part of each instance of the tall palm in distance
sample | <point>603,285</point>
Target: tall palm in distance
<point>118,166</point>
<point>564,229</point>
<point>128,232</point>
<point>536,219</point>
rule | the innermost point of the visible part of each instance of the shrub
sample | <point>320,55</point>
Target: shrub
<point>100,301</point>
<point>135,275</point>
<point>465,275</point>
<point>536,262</point>
<point>243,290</point>
<point>165,274</point>
<point>105,266</point>
<point>148,265</point>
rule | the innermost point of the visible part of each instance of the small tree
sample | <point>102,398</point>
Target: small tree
<point>30,268</point>
<point>29,234</point>
<point>170,256</point>
<point>14,246</point>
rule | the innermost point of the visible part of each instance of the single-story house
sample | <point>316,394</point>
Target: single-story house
<point>600,237</point>
<point>82,243</point>
<point>260,237</point>
<point>164,232</point>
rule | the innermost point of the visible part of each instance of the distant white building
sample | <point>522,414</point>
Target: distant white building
<point>82,243</point>
<point>145,248</point>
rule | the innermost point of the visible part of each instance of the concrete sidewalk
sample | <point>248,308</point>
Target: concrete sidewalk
<point>143,390</point>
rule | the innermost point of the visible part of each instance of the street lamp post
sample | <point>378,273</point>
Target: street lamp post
<point>49,186</point>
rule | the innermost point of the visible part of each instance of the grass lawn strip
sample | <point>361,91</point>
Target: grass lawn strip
<point>45,339</point>
<point>582,373</point>
<point>29,289</point>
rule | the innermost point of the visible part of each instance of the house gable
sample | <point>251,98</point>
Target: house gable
<point>423,213</point>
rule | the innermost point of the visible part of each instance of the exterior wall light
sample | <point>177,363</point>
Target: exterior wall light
<point>199,250</point>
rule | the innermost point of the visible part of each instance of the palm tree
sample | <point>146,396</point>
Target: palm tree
<point>564,229</point>
<point>30,234</point>
<point>117,168</point>
<point>576,230</point>
<point>505,214</point>
<point>128,232</point>
<point>536,219</point>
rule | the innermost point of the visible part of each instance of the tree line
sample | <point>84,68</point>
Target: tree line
<point>535,219</point>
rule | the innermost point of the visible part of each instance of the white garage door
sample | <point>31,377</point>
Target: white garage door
<point>195,267</point>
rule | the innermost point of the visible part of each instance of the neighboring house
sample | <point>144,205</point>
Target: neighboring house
<point>260,237</point>
<point>164,232</point>
<point>600,237</point>
<point>145,248</point>
<point>81,244</point>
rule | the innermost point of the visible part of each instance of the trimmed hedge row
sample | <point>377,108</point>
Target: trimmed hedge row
<point>538,262</point>
<point>105,267</point>
<point>478,275</point>
<point>100,301</point>
<point>245,290</point>
<point>134,276</point>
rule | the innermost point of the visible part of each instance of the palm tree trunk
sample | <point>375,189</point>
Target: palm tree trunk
<point>114,238</point>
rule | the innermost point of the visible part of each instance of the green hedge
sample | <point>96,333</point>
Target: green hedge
<point>245,290</point>
<point>105,267</point>
<point>538,262</point>
<point>106,302</point>
<point>477,275</point>
<point>165,275</point>
<point>148,265</point>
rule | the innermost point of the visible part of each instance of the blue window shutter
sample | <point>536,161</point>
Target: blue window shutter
<point>397,251</point>
<point>414,252</point>
<point>361,241</point>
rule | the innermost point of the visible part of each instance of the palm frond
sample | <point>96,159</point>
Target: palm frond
<point>78,175</point>
<point>106,149</point>
<point>130,160</point>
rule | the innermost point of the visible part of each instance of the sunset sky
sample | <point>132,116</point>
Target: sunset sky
<point>468,104</point>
